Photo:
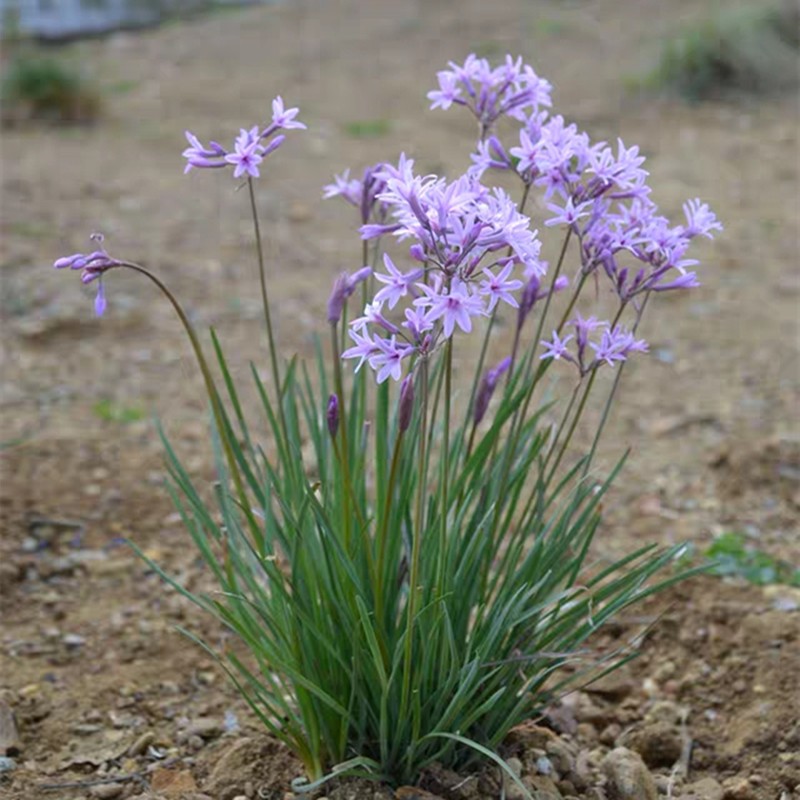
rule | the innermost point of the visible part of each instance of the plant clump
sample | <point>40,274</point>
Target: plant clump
<point>41,88</point>
<point>409,569</point>
<point>752,50</point>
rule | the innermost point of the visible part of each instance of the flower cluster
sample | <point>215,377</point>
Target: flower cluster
<point>250,147</point>
<point>92,266</point>
<point>467,240</point>
<point>512,89</point>
<point>599,193</point>
<point>616,344</point>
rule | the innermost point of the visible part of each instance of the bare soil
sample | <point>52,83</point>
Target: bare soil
<point>89,659</point>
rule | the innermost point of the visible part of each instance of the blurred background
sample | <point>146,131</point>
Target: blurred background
<point>95,97</point>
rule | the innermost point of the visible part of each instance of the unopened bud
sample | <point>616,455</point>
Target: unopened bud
<point>332,415</point>
<point>406,405</point>
<point>337,298</point>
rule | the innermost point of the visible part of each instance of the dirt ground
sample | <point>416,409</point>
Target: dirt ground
<point>100,682</point>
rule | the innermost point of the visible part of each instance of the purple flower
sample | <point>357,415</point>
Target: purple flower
<point>511,89</point>
<point>557,349</point>
<point>398,284</point>
<point>247,154</point>
<point>455,306</point>
<point>285,118</point>
<point>250,148</point>
<point>616,345</point>
<point>387,359</point>
<point>203,157</point>
<point>364,347</point>
<point>343,287</point>
<point>498,287</point>
<point>363,194</point>
<point>700,220</point>
<point>568,214</point>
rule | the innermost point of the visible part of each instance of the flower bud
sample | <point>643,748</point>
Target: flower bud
<point>406,405</point>
<point>332,415</point>
<point>337,298</point>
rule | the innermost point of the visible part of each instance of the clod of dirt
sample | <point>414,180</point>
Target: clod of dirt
<point>260,762</point>
<point>10,744</point>
<point>658,743</point>
<point>628,777</point>
<point>704,789</point>
<point>172,782</point>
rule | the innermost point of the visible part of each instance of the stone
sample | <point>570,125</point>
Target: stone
<point>512,789</point>
<point>738,789</point>
<point>7,764</point>
<point>628,777</point>
<point>616,685</point>
<point>107,791</point>
<point>704,789</point>
<point>172,782</point>
<point>140,746</point>
<point>205,728</point>
<point>658,743</point>
<point>10,744</point>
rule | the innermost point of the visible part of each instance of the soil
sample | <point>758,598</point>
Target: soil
<point>100,683</point>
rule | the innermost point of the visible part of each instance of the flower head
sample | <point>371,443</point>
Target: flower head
<point>92,266</point>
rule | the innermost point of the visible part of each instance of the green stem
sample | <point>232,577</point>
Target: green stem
<point>211,389</point>
<point>267,316</point>
<point>612,393</point>
<point>416,545</point>
<point>384,530</point>
<point>344,456</point>
<point>445,479</point>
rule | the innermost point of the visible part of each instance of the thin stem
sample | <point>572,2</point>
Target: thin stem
<point>265,303</point>
<point>416,546</point>
<point>344,456</point>
<point>384,529</point>
<point>448,391</point>
<point>211,389</point>
<point>612,393</point>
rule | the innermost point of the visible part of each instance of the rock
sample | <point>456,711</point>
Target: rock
<point>658,743</point>
<point>738,789</point>
<point>7,764</point>
<point>172,782</point>
<point>544,788</point>
<point>107,791</point>
<point>704,789</point>
<point>628,777</point>
<point>205,727</point>
<point>73,641</point>
<point>616,685</point>
<point>512,789</point>
<point>141,744</point>
<point>665,711</point>
<point>10,744</point>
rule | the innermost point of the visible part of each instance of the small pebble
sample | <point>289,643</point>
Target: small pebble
<point>107,791</point>
<point>73,640</point>
<point>7,764</point>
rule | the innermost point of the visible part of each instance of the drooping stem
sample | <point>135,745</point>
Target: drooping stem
<point>211,388</point>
